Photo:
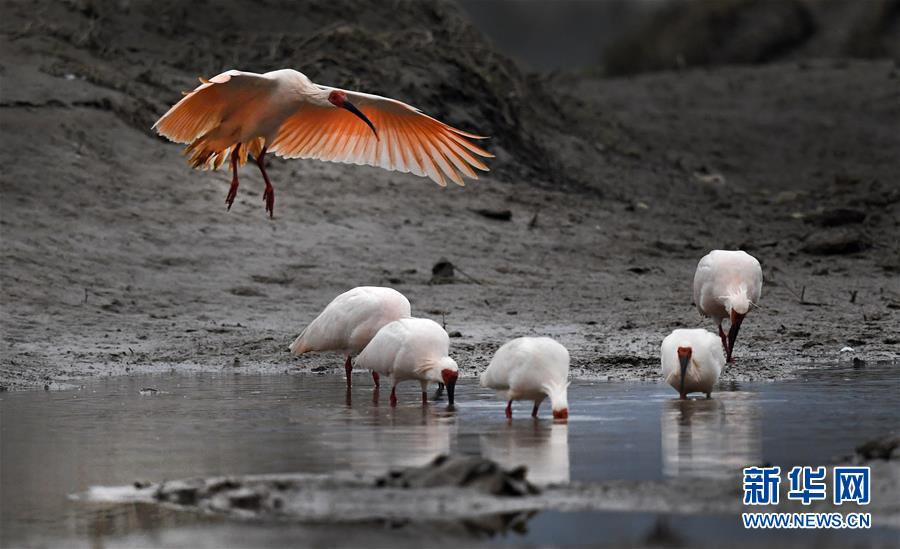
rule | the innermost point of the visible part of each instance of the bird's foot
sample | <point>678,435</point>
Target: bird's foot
<point>509,410</point>
<point>377,379</point>
<point>232,193</point>
<point>708,396</point>
<point>394,397</point>
<point>269,198</point>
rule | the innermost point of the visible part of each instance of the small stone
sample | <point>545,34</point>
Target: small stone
<point>245,499</point>
<point>442,272</point>
<point>497,215</point>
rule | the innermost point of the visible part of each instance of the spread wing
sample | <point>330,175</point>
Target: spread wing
<point>208,104</point>
<point>407,141</point>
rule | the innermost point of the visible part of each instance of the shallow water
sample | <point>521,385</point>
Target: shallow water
<point>58,443</point>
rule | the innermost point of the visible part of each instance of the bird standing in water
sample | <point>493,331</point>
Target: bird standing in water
<point>691,361</point>
<point>350,322</point>
<point>727,284</point>
<point>530,368</point>
<point>238,114</point>
<point>412,349</point>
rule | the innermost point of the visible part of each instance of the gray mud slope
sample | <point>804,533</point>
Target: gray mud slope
<point>118,258</point>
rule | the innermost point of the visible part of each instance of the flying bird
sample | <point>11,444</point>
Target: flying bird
<point>692,361</point>
<point>530,368</point>
<point>412,349</point>
<point>236,115</point>
<point>350,322</point>
<point>727,284</point>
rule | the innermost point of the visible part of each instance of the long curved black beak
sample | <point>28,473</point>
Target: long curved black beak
<point>736,320</point>
<point>684,360</point>
<point>451,388</point>
<point>352,108</point>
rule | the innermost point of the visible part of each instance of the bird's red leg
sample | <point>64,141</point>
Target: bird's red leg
<point>376,379</point>
<point>509,410</point>
<point>534,410</point>
<point>394,396</point>
<point>269,193</point>
<point>232,191</point>
<point>348,368</point>
<point>424,398</point>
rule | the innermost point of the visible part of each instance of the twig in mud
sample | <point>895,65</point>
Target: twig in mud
<point>467,275</point>
<point>802,296</point>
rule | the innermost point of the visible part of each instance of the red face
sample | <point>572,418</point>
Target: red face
<point>449,377</point>
<point>561,414</point>
<point>337,98</point>
<point>684,353</point>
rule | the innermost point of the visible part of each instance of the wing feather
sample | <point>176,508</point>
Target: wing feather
<point>408,140</point>
<point>202,109</point>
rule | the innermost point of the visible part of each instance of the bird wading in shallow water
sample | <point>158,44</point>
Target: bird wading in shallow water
<point>692,361</point>
<point>727,284</point>
<point>530,368</point>
<point>350,322</point>
<point>239,114</point>
<point>412,349</point>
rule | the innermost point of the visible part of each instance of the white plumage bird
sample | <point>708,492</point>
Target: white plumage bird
<point>236,114</point>
<point>692,360</point>
<point>530,368</point>
<point>412,349</point>
<point>727,284</point>
<point>350,322</point>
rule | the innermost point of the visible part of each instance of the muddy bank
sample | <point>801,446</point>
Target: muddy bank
<point>461,488</point>
<point>118,259</point>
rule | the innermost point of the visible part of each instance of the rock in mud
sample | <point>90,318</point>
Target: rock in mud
<point>498,215</point>
<point>837,216</point>
<point>443,272</point>
<point>181,492</point>
<point>468,472</point>
<point>836,242</point>
<point>886,448</point>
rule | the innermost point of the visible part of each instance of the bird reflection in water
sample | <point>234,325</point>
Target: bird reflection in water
<point>710,438</point>
<point>411,436</point>
<point>542,447</point>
